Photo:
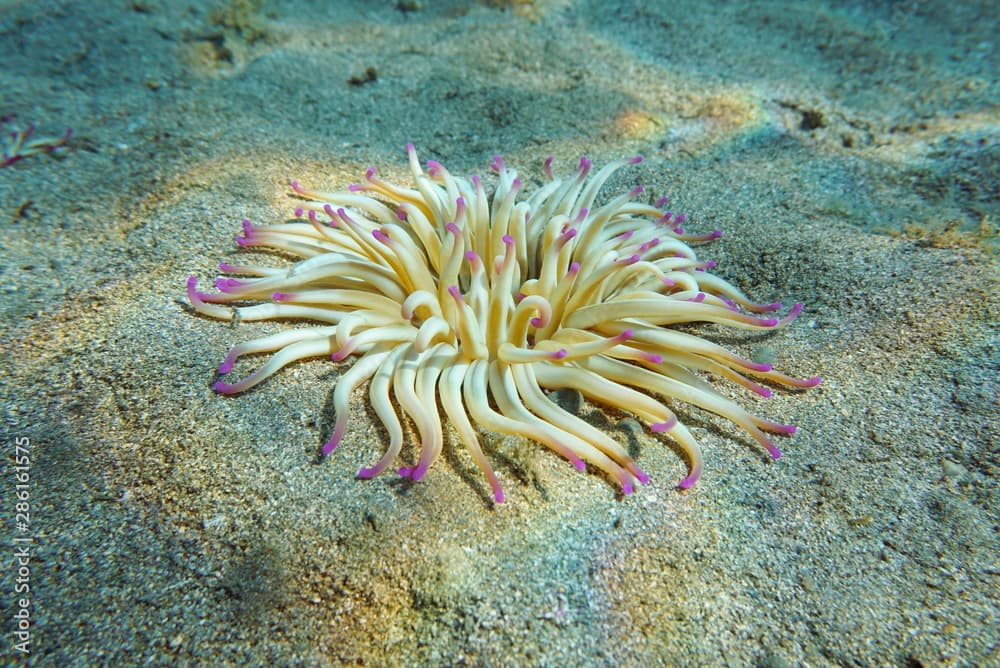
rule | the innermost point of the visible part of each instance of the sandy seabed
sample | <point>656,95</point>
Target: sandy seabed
<point>851,153</point>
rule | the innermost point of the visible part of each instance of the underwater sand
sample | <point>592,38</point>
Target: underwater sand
<point>851,154</point>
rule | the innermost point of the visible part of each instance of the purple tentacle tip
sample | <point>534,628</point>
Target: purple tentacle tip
<point>640,475</point>
<point>247,232</point>
<point>660,427</point>
<point>688,481</point>
<point>792,314</point>
<point>227,284</point>
<point>223,388</point>
<point>779,428</point>
<point>227,364</point>
<point>567,235</point>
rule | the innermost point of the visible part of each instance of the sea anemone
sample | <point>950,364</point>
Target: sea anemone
<point>453,300</point>
<point>19,146</point>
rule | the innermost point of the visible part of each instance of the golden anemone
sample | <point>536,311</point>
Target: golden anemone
<point>453,300</point>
